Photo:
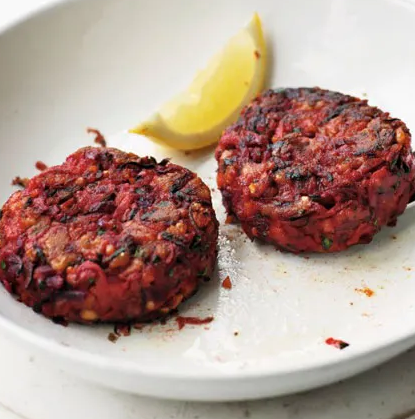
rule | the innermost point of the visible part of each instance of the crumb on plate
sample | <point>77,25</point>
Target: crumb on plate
<point>227,284</point>
<point>20,181</point>
<point>337,343</point>
<point>99,138</point>
<point>182,321</point>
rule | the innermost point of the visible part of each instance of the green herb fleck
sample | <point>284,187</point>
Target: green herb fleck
<point>163,204</point>
<point>343,345</point>
<point>115,254</point>
<point>182,196</point>
<point>29,202</point>
<point>171,273</point>
<point>39,253</point>
<point>330,177</point>
<point>196,243</point>
<point>406,168</point>
<point>394,163</point>
<point>229,161</point>
<point>296,175</point>
<point>170,237</point>
<point>156,259</point>
<point>375,223</point>
<point>132,214</point>
<point>276,146</point>
<point>202,274</point>
<point>42,285</point>
<point>91,281</point>
<point>297,130</point>
<point>326,243</point>
<point>140,253</point>
<point>109,197</point>
<point>3,265</point>
<point>100,231</point>
<point>396,185</point>
<point>147,215</point>
<point>37,307</point>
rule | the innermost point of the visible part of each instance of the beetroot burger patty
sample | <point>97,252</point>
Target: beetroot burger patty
<point>108,236</point>
<point>314,170</point>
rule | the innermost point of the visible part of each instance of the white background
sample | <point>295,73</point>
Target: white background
<point>29,386</point>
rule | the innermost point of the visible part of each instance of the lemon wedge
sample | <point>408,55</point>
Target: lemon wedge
<point>196,117</point>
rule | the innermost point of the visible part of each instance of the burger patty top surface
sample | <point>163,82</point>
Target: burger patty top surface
<point>108,236</point>
<point>308,169</point>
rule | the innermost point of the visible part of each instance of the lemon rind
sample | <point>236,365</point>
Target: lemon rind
<point>157,129</point>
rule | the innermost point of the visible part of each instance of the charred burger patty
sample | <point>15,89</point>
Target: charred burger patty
<point>308,169</point>
<point>108,236</point>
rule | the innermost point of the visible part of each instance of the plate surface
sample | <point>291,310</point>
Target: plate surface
<point>107,64</point>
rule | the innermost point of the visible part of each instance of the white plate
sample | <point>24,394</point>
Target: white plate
<point>109,63</point>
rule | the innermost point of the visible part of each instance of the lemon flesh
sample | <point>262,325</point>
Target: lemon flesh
<point>196,117</point>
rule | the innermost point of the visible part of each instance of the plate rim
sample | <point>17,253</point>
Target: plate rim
<point>120,365</point>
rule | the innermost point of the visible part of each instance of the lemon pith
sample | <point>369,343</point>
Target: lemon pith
<point>196,117</point>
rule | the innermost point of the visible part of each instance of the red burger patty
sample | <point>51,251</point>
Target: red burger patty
<point>308,169</point>
<point>108,236</point>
